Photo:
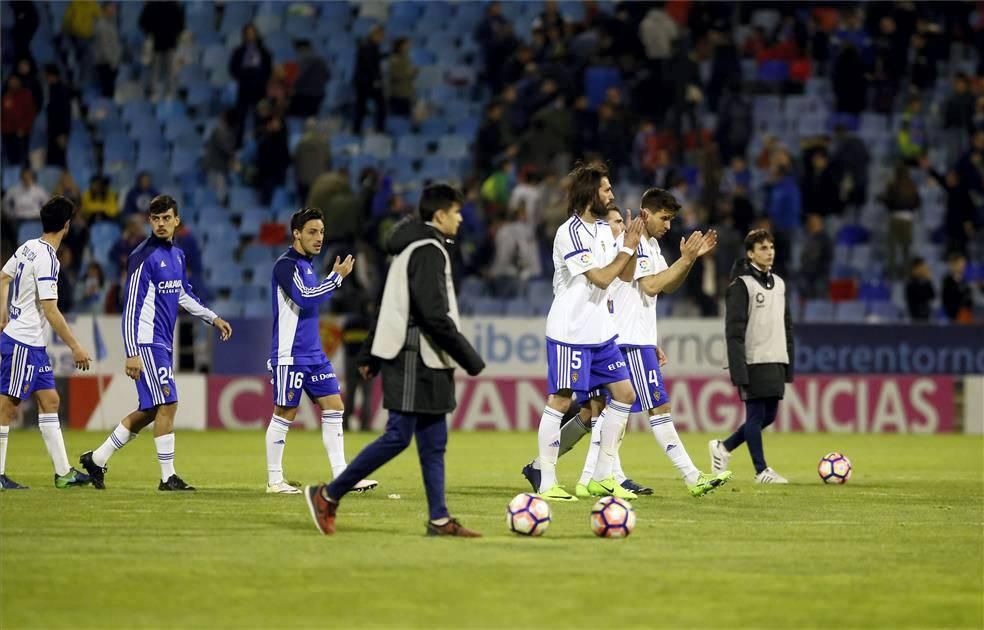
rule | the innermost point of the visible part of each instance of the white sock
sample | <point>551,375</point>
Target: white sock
<point>276,441</point>
<point>165,455</point>
<point>669,441</point>
<point>54,442</point>
<point>334,440</point>
<point>4,431</point>
<point>548,441</point>
<point>591,459</point>
<point>617,467</point>
<point>616,417</point>
<point>116,440</point>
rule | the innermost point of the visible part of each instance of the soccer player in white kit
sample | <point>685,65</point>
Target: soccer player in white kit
<point>24,367</point>
<point>582,354</point>
<point>634,312</point>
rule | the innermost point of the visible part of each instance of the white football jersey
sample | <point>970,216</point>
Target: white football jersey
<point>34,269</point>
<point>580,312</point>
<point>634,311</point>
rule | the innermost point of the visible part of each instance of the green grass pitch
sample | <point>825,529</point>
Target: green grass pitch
<point>901,545</point>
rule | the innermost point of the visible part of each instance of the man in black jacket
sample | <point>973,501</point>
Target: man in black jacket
<point>368,79</point>
<point>759,331</point>
<point>416,344</point>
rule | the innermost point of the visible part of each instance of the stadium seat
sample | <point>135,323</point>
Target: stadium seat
<point>817,311</point>
<point>28,230</point>
<point>885,312</point>
<point>850,312</point>
<point>597,80</point>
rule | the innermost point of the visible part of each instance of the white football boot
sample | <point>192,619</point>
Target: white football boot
<point>365,485</point>
<point>720,456</point>
<point>770,476</point>
<point>282,487</point>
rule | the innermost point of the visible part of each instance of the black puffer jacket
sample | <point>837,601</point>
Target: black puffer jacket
<point>761,380</point>
<point>408,384</point>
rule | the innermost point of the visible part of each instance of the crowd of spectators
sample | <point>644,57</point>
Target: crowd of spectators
<point>663,93</point>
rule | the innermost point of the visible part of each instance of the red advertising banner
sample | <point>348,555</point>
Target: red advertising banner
<point>852,404</point>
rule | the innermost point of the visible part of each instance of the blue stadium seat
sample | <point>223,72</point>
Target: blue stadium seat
<point>817,311</point>
<point>884,312</point>
<point>597,80</point>
<point>252,219</point>
<point>851,312</point>
<point>242,197</point>
<point>28,230</point>
<point>519,307</point>
<point>773,71</point>
<point>258,309</point>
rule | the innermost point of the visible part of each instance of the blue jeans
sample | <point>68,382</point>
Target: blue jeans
<point>432,440</point>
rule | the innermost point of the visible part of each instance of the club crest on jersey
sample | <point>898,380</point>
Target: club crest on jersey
<point>26,387</point>
<point>644,264</point>
<point>656,395</point>
<point>574,377</point>
<point>167,390</point>
<point>290,396</point>
<point>586,259</point>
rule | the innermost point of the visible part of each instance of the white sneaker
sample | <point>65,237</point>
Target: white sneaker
<point>282,487</point>
<point>365,485</point>
<point>720,456</point>
<point>770,476</point>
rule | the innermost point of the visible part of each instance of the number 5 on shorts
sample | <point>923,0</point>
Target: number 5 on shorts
<point>576,359</point>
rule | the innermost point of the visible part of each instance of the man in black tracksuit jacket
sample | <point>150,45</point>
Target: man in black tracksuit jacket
<point>759,333</point>
<point>416,344</point>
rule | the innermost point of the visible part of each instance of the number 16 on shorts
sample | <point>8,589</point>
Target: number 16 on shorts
<point>290,380</point>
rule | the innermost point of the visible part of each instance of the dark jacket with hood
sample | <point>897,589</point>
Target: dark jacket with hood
<point>759,380</point>
<point>432,389</point>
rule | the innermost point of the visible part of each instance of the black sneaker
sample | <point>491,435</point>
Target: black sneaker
<point>174,483</point>
<point>532,475</point>
<point>96,473</point>
<point>6,483</point>
<point>632,486</point>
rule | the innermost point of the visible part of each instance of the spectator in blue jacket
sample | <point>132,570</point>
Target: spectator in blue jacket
<point>138,197</point>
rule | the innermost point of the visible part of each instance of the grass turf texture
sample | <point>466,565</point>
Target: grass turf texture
<point>901,545</point>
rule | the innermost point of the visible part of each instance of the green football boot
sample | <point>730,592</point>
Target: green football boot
<point>706,484</point>
<point>608,488</point>
<point>557,493</point>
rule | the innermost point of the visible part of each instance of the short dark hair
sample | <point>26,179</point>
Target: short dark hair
<point>656,199</point>
<point>954,256</point>
<point>55,213</point>
<point>917,262</point>
<point>161,204</point>
<point>585,182</point>
<point>758,236</point>
<point>300,218</point>
<point>438,197</point>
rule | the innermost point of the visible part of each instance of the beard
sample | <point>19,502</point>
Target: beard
<point>598,209</point>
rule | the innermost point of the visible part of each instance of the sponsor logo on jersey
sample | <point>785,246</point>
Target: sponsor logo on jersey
<point>315,378</point>
<point>163,264</point>
<point>586,259</point>
<point>169,286</point>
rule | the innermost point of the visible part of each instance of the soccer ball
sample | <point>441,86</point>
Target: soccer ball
<point>528,515</point>
<point>612,517</point>
<point>834,468</point>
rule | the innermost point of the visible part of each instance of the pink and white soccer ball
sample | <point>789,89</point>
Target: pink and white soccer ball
<point>528,515</point>
<point>612,517</point>
<point>835,468</point>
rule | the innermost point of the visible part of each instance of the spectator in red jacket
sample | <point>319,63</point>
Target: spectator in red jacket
<point>17,120</point>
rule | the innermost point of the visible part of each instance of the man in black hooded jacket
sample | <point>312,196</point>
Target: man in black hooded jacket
<point>416,344</point>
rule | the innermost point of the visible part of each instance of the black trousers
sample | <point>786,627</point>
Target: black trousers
<point>759,413</point>
<point>362,98</point>
<point>107,79</point>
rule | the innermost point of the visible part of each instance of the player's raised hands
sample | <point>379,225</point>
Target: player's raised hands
<point>134,367</point>
<point>708,243</point>
<point>343,267</point>
<point>633,233</point>
<point>690,246</point>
